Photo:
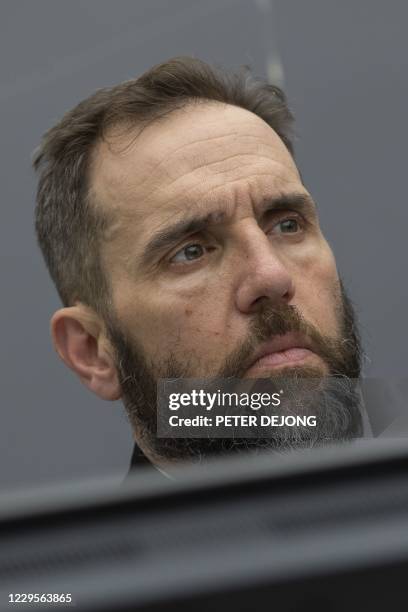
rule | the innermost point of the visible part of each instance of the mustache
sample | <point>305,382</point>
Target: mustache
<point>271,321</point>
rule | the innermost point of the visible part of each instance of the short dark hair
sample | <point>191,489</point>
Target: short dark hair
<point>69,226</point>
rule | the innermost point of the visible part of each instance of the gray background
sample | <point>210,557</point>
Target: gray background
<point>345,72</point>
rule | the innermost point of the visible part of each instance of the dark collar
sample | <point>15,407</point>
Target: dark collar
<point>138,459</point>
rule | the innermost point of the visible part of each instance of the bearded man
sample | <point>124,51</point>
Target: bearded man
<point>184,244</point>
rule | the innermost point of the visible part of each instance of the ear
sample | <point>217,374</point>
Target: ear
<point>80,340</point>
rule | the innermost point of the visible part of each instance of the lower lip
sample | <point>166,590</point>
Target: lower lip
<point>286,357</point>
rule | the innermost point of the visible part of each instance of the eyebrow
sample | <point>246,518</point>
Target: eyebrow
<point>167,237</point>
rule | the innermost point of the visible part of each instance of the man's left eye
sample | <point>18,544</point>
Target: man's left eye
<point>288,226</point>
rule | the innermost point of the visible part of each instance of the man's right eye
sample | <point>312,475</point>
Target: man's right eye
<point>191,252</point>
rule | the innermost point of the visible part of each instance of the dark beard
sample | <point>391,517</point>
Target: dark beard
<point>336,405</point>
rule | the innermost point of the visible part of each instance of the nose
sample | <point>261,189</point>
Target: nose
<point>263,275</point>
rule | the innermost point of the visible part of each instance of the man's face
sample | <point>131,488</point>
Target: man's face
<point>214,228</point>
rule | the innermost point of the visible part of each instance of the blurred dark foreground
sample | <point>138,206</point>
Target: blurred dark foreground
<point>317,530</point>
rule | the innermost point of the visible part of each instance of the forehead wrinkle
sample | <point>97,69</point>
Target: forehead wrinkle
<point>204,158</point>
<point>204,164</point>
<point>157,140</point>
<point>165,167</point>
<point>192,143</point>
<point>190,197</point>
<point>209,165</point>
<point>278,173</point>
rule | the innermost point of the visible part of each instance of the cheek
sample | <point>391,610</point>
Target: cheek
<point>201,318</point>
<point>318,292</point>
<point>189,319</point>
